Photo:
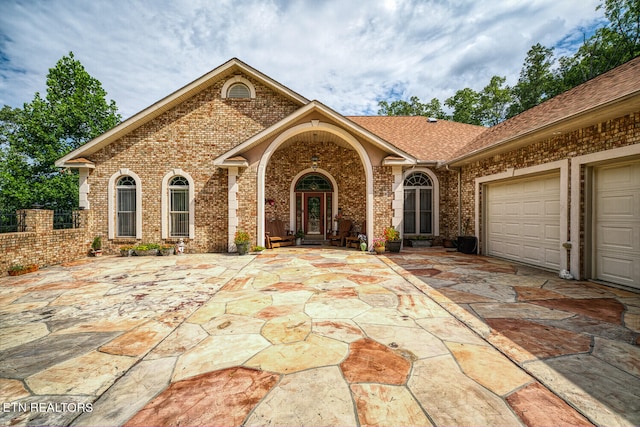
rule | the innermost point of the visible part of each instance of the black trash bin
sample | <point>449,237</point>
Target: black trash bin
<point>467,244</point>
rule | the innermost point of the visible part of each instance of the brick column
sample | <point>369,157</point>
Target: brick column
<point>38,220</point>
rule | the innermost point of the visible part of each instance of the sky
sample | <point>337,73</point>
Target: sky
<point>347,54</point>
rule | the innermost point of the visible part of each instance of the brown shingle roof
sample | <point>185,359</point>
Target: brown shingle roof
<point>610,87</point>
<point>424,139</point>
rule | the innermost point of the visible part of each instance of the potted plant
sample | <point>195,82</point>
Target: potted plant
<point>126,250</point>
<point>467,244</point>
<point>96,246</point>
<point>146,249</point>
<point>18,269</point>
<point>379,245</point>
<point>257,249</point>
<point>299,236</point>
<point>363,242</point>
<point>166,250</point>
<point>241,240</point>
<point>393,239</point>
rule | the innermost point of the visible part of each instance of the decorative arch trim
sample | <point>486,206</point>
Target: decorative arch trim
<point>305,127</point>
<point>164,202</point>
<point>237,79</point>
<point>111,202</point>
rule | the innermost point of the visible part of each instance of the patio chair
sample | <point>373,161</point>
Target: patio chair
<point>344,229</point>
<point>353,241</point>
<point>275,235</point>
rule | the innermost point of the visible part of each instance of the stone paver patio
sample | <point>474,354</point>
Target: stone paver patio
<point>321,336</point>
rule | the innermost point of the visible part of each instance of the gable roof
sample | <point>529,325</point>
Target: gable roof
<point>609,95</point>
<point>428,140</point>
<point>318,107</point>
<point>234,65</point>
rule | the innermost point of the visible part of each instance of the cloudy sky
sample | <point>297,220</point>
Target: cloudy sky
<point>348,54</point>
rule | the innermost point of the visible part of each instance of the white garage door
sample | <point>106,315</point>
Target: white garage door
<point>523,220</point>
<point>617,223</point>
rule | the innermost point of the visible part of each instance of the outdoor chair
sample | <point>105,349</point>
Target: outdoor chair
<point>344,229</point>
<point>276,236</point>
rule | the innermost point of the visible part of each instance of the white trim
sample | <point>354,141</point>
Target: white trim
<point>164,203</point>
<point>292,195</point>
<point>237,79</point>
<point>397,203</point>
<point>83,188</point>
<point>560,165</point>
<point>577,164</point>
<point>232,196</point>
<point>174,99</point>
<point>305,127</point>
<point>436,195</point>
<point>111,202</point>
<point>313,106</point>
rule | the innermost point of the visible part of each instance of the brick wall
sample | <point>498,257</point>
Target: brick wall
<point>188,137</point>
<point>40,244</point>
<point>606,135</point>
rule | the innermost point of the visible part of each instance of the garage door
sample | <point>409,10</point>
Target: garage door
<point>523,220</point>
<point>617,223</point>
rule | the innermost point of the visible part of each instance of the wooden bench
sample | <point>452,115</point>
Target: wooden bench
<point>275,235</point>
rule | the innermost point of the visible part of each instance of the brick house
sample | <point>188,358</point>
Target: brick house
<point>557,186</point>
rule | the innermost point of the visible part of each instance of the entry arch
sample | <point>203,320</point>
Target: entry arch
<point>313,126</point>
<point>292,193</point>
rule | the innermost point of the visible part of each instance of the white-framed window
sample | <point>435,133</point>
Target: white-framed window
<point>418,204</point>
<point>178,205</point>
<point>124,204</point>
<point>238,87</point>
<point>126,207</point>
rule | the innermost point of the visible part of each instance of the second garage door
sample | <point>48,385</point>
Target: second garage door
<point>523,220</point>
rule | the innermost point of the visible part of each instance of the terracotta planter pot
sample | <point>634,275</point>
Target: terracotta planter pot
<point>379,249</point>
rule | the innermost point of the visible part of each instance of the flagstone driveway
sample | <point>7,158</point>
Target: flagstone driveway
<point>323,336</point>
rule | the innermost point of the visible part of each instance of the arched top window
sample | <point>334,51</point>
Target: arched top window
<point>314,182</point>
<point>126,181</point>
<point>179,181</point>
<point>418,179</point>
<point>239,90</point>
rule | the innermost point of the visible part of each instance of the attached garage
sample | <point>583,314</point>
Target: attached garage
<point>616,223</point>
<point>522,220</point>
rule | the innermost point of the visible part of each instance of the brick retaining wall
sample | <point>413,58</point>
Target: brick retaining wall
<point>40,244</point>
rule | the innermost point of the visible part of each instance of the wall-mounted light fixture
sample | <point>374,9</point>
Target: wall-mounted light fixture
<point>314,162</point>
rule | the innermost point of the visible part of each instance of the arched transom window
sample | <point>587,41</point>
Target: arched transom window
<point>314,182</point>
<point>418,204</point>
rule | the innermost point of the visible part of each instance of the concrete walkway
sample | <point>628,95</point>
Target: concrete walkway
<point>321,336</point>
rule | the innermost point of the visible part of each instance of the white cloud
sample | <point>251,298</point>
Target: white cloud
<point>346,54</point>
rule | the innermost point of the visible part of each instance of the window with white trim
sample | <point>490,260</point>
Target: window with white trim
<point>418,204</point>
<point>179,207</point>
<point>126,207</point>
<point>239,90</point>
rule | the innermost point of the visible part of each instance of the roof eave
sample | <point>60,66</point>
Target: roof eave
<point>629,103</point>
<point>172,100</point>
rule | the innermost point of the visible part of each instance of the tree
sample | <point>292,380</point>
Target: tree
<point>73,112</point>
<point>413,108</point>
<point>466,106</point>
<point>494,101</point>
<point>537,81</point>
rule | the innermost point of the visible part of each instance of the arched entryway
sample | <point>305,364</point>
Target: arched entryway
<point>314,199</point>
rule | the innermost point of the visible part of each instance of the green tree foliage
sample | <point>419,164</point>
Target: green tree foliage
<point>413,107</point>
<point>542,75</point>
<point>537,81</point>
<point>73,112</point>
